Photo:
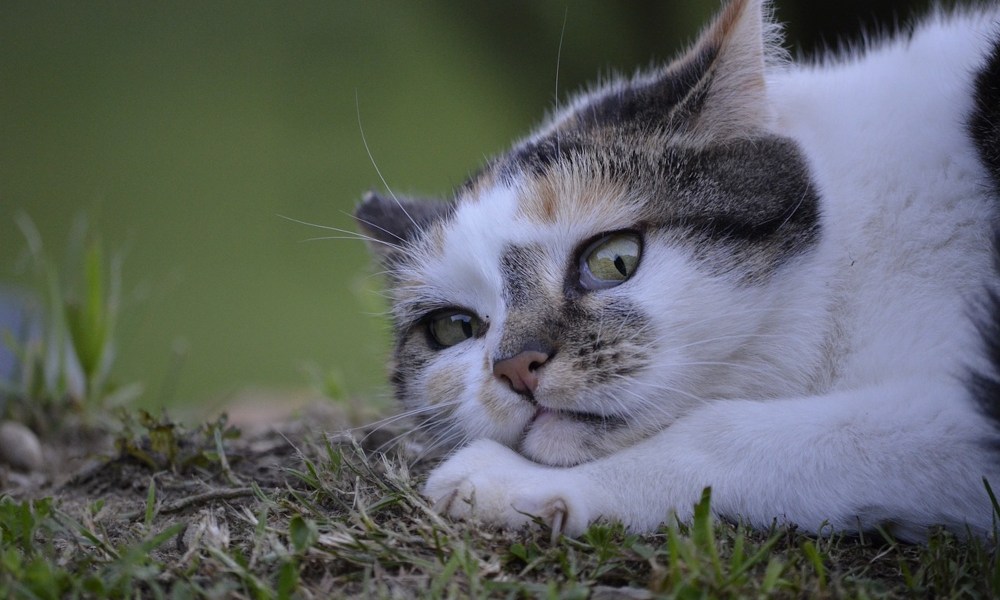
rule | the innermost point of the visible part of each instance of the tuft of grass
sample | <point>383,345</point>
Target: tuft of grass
<point>66,357</point>
<point>49,554</point>
<point>334,520</point>
<point>161,444</point>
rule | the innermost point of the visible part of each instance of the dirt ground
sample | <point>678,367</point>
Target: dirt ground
<point>103,480</point>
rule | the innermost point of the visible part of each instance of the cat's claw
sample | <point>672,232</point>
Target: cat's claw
<point>490,483</point>
<point>558,519</point>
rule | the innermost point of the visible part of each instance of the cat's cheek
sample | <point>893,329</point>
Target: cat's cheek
<point>489,483</point>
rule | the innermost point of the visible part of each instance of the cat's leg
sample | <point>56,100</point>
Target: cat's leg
<point>906,455</point>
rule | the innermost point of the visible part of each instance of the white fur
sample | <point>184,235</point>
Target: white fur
<point>852,411</point>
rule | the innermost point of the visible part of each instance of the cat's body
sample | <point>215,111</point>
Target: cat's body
<point>765,278</point>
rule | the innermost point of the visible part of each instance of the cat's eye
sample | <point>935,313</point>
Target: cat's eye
<point>610,260</point>
<point>453,327</point>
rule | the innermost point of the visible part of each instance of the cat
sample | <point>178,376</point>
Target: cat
<point>778,281</point>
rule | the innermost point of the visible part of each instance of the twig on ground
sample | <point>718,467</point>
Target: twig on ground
<point>177,505</point>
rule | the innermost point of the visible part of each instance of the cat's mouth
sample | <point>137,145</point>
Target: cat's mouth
<point>564,438</point>
<point>543,415</point>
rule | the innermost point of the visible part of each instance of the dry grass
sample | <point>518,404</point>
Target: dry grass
<point>293,513</point>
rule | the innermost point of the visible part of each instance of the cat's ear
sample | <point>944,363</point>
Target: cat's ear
<point>723,73</point>
<point>390,223</point>
<point>714,92</point>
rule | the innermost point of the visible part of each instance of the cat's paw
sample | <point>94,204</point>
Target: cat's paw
<point>491,483</point>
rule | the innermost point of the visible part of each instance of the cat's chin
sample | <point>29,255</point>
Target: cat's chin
<point>560,438</point>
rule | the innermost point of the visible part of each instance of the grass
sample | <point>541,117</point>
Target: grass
<point>332,520</point>
<point>67,351</point>
<point>167,511</point>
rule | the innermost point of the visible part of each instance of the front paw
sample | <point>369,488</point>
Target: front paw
<point>488,482</point>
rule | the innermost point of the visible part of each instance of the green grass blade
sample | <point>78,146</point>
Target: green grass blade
<point>814,557</point>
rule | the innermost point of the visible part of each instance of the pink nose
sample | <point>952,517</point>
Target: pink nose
<point>520,370</point>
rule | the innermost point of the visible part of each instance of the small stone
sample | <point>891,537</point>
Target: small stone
<point>19,447</point>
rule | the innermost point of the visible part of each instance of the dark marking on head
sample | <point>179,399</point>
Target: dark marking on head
<point>748,207</point>
<point>714,93</point>
<point>636,110</point>
<point>744,207</point>
<point>537,158</point>
<point>411,357</point>
<point>668,103</point>
<point>520,267</point>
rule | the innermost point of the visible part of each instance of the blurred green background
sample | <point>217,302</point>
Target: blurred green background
<point>182,130</point>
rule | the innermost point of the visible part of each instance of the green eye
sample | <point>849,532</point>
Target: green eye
<point>450,328</point>
<point>610,260</point>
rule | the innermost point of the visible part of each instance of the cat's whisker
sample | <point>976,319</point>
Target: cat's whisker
<point>744,312</point>
<point>441,422</point>
<point>734,336</point>
<point>380,424</point>
<point>624,412</point>
<point>364,140</point>
<point>382,229</point>
<point>642,404</point>
<point>346,237</point>
<point>642,401</point>
<point>393,441</point>
<point>373,428</point>
<point>562,35</point>
<point>452,436</point>
<point>348,234</point>
<point>663,387</point>
<point>643,416</point>
<point>375,226</point>
<point>624,322</point>
<point>716,363</point>
<point>795,209</point>
<point>412,413</point>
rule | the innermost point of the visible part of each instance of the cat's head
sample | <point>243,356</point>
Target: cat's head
<point>587,288</point>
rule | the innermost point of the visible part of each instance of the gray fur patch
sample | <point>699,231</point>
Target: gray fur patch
<point>744,207</point>
<point>520,268</point>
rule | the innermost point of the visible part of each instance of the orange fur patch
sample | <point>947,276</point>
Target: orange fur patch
<point>560,195</point>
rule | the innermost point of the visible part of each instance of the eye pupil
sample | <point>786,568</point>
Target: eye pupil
<point>466,325</point>
<point>620,265</point>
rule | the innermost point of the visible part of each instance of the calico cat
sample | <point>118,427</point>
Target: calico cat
<point>777,280</point>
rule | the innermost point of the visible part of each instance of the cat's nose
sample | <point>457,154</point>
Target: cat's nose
<point>520,370</point>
